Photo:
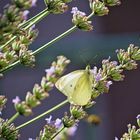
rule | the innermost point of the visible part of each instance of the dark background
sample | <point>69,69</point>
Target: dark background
<point>117,30</point>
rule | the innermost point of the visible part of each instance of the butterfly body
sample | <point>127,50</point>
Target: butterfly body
<point>77,86</point>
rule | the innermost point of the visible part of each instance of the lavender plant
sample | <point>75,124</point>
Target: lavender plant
<point>17,33</point>
<point>133,133</point>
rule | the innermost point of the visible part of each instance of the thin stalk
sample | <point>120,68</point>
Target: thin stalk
<point>55,40</point>
<point>59,131</point>
<point>89,16</point>
<point>10,66</point>
<point>22,25</point>
<point>13,118</point>
<point>36,20</point>
<point>42,47</point>
<point>72,29</point>
<point>43,114</point>
<point>29,23</point>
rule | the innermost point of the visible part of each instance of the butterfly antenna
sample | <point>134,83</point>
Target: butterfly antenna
<point>93,59</point>
<point>84,61</point>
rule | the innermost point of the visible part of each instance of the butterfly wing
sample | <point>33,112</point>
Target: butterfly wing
<point>83,90</point>
<point>67,83</point>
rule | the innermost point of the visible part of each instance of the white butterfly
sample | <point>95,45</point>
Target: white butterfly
<point>77,86</point>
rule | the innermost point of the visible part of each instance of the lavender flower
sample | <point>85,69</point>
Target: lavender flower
<point>138,116</point>
<point>117,50</point>
<point>115,63</point>
<point>98,77</point>
<point>94,70</point>
<point>106,60</point>
<point>81,20</point>
<point>16,100</point>
<point>49,119</point>
<point>31,139</point>
<point>50,71</point>
<point>138,120</point>
<point>71,131</point>
<point>57,123</point>
<point>34,3</point>
<point>116,138</point>
<point>96,74</point>
<point>25,14</point>
<point>108,84</point>
<point>76,11</point>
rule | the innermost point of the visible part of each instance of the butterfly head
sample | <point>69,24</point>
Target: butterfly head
<point>88,68</point>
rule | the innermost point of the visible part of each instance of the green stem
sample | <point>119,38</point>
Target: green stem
<point>10,66</point>
<point>22,25</point>
<point>43,114</point>
<point>89,16</point>
<point>72,29</point>
<point>42,47</point>
<point>59,131</point>
<point>13,118</point>
<point>8,42</point>
<point>55,40</point>
<point>26,25</point>
<point>36,20</point>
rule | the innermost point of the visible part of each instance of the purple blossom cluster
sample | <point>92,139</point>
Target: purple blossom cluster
<point>75,11</point>
<point>57,123</point>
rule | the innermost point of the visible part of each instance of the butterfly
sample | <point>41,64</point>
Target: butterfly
<point>77,86</point>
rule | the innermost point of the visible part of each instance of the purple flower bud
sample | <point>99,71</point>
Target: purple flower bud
<point>82,14</point>
<point>16,100</point>
<point>71,131</point>
<point>138,116</point>
<point>58,123</point>
<point>117,51</point>
<point>50,71</point>
<point>98,77</point>
<point>34,3</point>
<point>25,14</point>
<point>115,63</point>
<point>31,139</point>
<point>0,112</point>
<point>49,120</point>
<point>116,138</point>
<point>94,70</point>
<point>106,60</point>
<point>32,27</point>
<point>74,10</point>
<point>108,84</point>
